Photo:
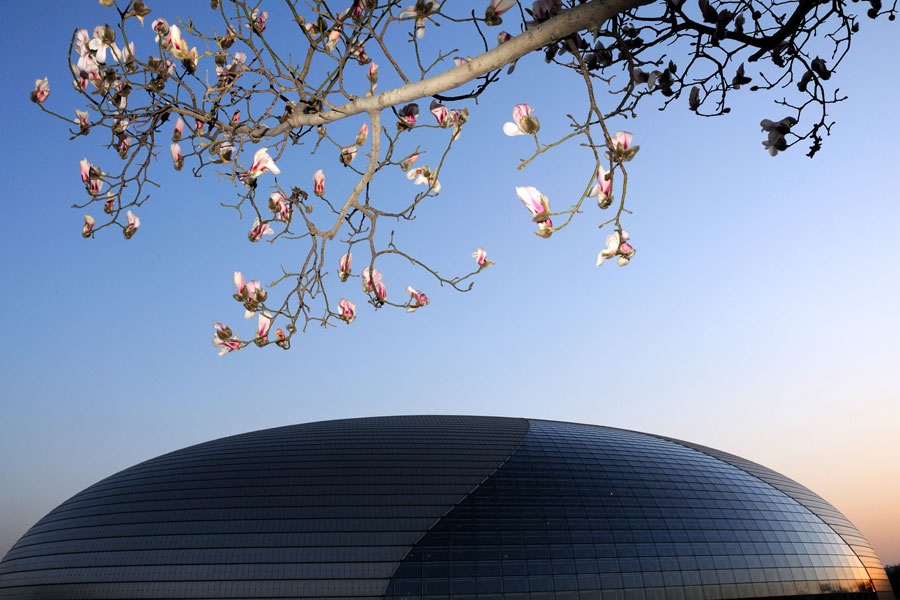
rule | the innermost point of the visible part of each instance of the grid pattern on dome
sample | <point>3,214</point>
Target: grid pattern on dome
<point>583,512</point>
<point>308,511</point>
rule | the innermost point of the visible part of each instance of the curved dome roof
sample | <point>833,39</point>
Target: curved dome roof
<point>444,507</point>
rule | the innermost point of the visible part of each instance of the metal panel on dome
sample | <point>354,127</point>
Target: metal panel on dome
<point>322,510</point>
<point>580,511</point>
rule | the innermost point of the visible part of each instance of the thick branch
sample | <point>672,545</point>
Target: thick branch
<point>585,16</point>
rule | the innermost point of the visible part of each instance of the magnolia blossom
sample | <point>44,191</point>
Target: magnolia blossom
<point>616,245</point>
<point>602,188</point>
<point>91,176</point>
<point>544,9</point>
<point>250,294</point>
<point>347,155</point>
<point>372,282</point>
<point>523,123</point>
<point>123,146</point>
<point>223,339</point>
<point>82,119</point>
<point>280,205</point>
<point>439,111</point>
<point>497,8</point>
<point>82,41</point>
<point>358,52</point>
<point>262,162</point>
<point>161,27</point>
<point>177,158</point>
<point>178,130</point>
<point>621,147</point>
<point>420,12</point>
<point>373,74</point>
<point>319,183</point>
<point>41,90</point>
<point>179,47</point>
<point>225,150</point>
<point>363,135</point>
<point>127,55</point>
<point>88,226</point>
<point>424,175</point>
<point>776,141</point>
<point>539,207</point>
<point>480,257</point>
<point>408,115</point>
<point>417,299</point>
<point>259,230</point>
<point>262,326</point>
<point>347,310</point>
<point>334,36</point>
<point>460,61</point>
<point>260,20</point>
<point>502,38</point>
<point>344,266</point>
<point>133,223</point>
<point>102,40</point>
<point>409,161</point>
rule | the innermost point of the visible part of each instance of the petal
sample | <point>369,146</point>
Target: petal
<point>512,129</point>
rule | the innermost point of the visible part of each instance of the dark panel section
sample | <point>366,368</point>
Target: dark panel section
<point>319,510</point>
<point>587,512</point>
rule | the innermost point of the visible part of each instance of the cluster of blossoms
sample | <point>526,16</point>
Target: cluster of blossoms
<point>92,56</point>
<point>91,177</point>
<point>280,206</point>
<point>249,293</point>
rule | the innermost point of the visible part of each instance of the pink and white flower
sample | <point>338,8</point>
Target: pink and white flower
<point>161,28</point>
<point>178,130</point>
<point>124,145</point>
<point>621,148</point>
<point>347,155</point>
<point>523,123</point>
<point>179,47</point>
<point>347,310</point>
<point>223,339</point>
<point>280,206</point>
<point>424,175</point>
<point>88,227</point>
<point>373,283</point>
<point>92,177</point>
<point>102,40</point>
<point>536,202</point>
<point>420,12</point>
<point>480,257</point>
<point>334,36</point>
<point>495,9</point>
<point>262,162</point>
<point>616,245</point>
<point>344,266</point>
<point>82,41</point>
<point>263,324</point>
<point>417,299</point>
<point>373,74</point>
<point>409,161</point>
<point>408,116</point>
<point>177,157</point>
<point>133,223</point>
<point>440,112</point>
<point>41,90</point>
<point>260,20</point>
<point>602,188</point>
<point>260,228</point>
<point>82,118</point>
<point>363,135</point>
<point>319,183</point>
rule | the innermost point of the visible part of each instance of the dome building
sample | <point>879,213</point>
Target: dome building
<point>444,507</point>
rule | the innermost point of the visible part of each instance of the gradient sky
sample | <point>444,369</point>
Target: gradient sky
<point>759,316</point>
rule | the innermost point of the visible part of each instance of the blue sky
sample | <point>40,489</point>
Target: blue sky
<point>759,315</point>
